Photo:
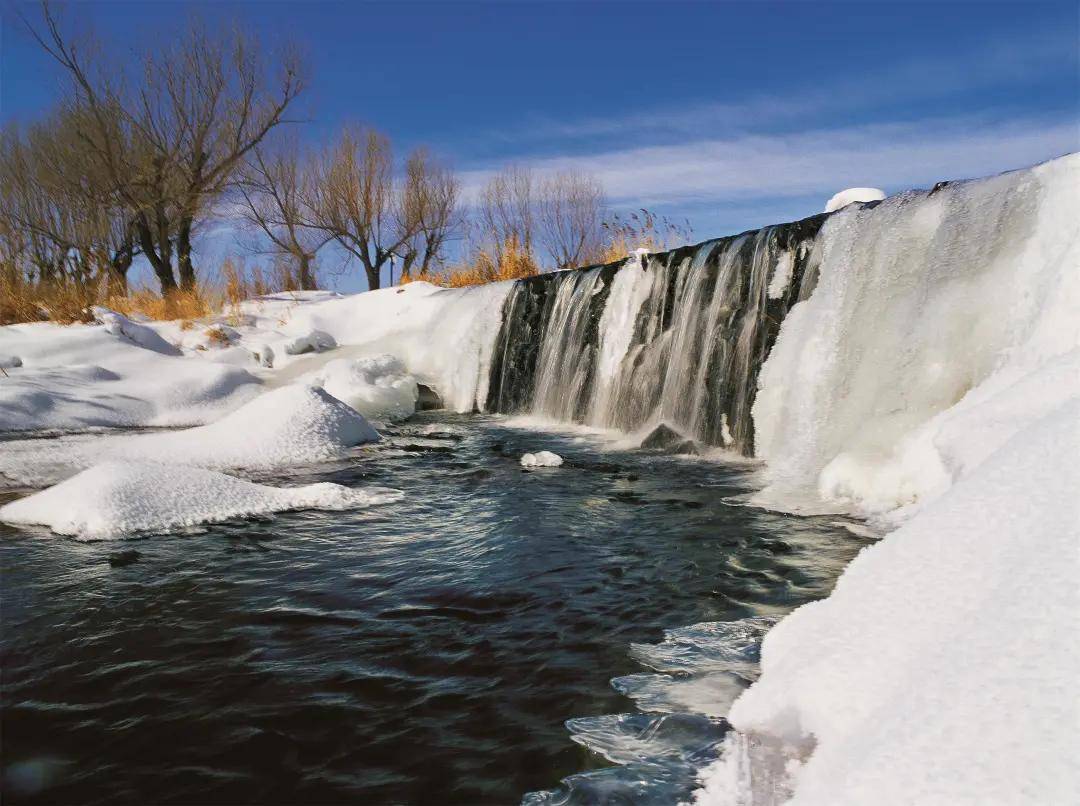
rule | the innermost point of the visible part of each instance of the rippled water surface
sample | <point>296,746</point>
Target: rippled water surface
<point>429,651</point>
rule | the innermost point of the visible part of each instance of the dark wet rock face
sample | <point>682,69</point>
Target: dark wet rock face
<point>427,399</point>
<point>662,438</point>
<point>679,338</point>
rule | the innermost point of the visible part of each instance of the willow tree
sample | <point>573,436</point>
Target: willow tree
<point>375,217</point>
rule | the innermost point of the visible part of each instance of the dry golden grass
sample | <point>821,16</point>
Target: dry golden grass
<point>59,302</point>
<point>70,302</point>
<point>512,263</point>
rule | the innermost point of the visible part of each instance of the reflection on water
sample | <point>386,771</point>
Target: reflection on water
<point>429,651</point>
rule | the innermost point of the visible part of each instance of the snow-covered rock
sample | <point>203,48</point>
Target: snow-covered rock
<point>541,459</point>
<point>316,341</point>
<point>119,325</point>
<point>292,425</point>
<point>378,387</point>
<point>112,499</point>
<point>10,361</point>
<point>853,195</point>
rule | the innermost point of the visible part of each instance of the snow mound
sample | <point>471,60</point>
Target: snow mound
<point>378,387</point>
<point>541,459</point>
<point>292,425</point>
<point>942,669</point>
<point>117,324</point>
<point>117,498</point>
<point>852,195</point>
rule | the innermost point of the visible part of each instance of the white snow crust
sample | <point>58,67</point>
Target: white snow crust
<point>116,498</point>
<point>852,195</point>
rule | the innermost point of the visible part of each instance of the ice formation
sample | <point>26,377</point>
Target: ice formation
<point>927,309</point>
<point>112,499</point>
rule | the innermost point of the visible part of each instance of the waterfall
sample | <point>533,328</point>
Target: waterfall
<point>676,337</point>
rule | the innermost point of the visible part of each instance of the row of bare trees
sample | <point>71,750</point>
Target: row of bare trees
<point>135,162</point>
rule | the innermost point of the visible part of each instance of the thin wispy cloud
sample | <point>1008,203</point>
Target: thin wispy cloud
<point>893,156</point>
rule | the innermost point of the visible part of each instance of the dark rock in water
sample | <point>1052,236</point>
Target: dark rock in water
<point>497,447</point>
<point>687,448</point>
<point>477,475</point>
<point>597,467</point>
<point>427,399</point>
<point>426,448</point>
<point>663,437</point>
<point>124,558</point>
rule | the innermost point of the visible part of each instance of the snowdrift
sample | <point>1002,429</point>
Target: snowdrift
<point>75,377</point>
<point>293,425</point>
<point>118,498</point>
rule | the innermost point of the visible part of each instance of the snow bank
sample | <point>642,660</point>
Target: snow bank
<point>541,459</point>
<point>117,498</point>
<point>293,425</point>
<point>943,667</point>
<point>932,380</point>
<point>442,336</point>
<point>852,195</point>
<point>377,387</point>
<point>73,377</point>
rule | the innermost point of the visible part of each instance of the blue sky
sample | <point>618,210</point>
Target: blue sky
<point>732,114</point>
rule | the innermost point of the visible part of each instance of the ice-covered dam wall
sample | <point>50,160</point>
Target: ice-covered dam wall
<point>676,337</point>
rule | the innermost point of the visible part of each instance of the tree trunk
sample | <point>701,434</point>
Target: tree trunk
<point>118,269</point>
<point>162,268</point>
<point>183,256</point>
<point>373,281</point>
<point>307,282</point>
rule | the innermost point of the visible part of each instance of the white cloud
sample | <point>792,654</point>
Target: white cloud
<point>763,166</point>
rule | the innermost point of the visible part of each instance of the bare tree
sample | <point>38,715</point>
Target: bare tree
<point>277,189</point>
<point>570,210</point>
<point>508,210</point>
<point>170,143</point>
<point>374,218</point>
<point>69,228</point>
<point>430,194</point>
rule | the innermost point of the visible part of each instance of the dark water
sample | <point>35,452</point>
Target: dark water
<point>428,652</point>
